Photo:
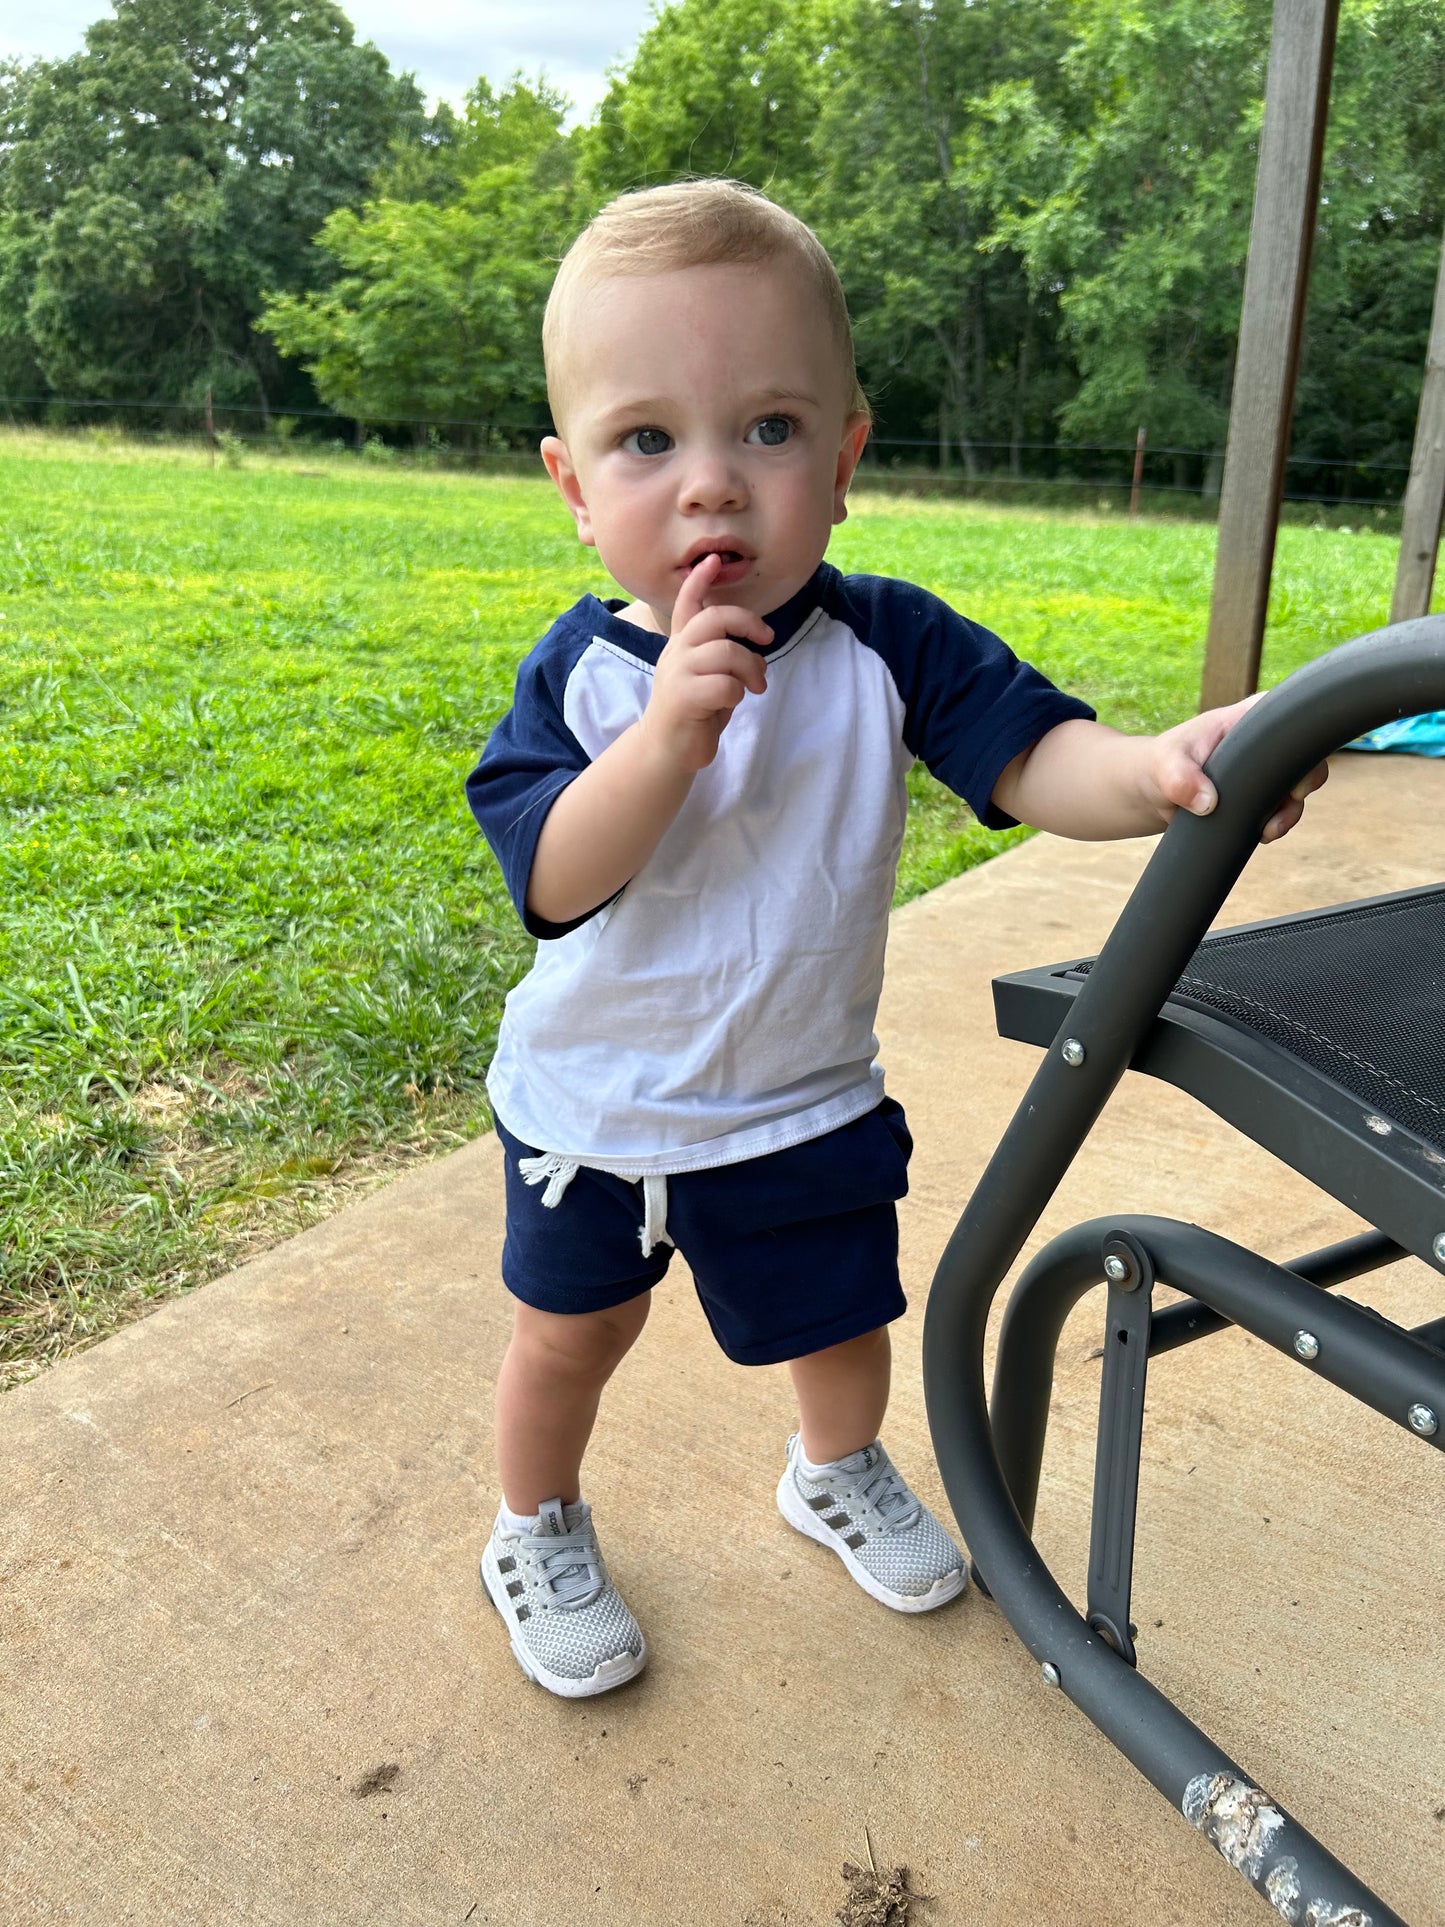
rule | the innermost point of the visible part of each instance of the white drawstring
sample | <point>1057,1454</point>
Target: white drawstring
<point>558,1172</point>
<point>653,1230</point>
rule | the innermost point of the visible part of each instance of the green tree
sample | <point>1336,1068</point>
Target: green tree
<point>856,114</point>
<point>1131,195</point>
<point>21,237</point>
<point>516,123</point>
<point>435,309</point>
<point>950,332</point>
<point>716,87</point>
<point>1377,247</point>
<point>153,184</point>
<point>1131,192</point>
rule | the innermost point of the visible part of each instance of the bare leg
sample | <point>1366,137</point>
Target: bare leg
<point>842,1395</point>
<point>547,1396</point>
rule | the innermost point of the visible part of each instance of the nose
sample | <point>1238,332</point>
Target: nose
<point>712,484</point>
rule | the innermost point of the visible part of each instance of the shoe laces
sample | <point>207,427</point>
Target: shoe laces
<point>880,1488</point>
<point>894,1504</point>
<point>573,1584</point>
<point>564,1569</point>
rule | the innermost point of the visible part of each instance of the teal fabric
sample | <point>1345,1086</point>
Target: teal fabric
<point>1414,735</point>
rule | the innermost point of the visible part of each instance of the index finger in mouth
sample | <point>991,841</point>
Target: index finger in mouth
<point>695,586</point>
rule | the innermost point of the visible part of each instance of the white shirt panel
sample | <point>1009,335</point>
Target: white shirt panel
<point>723,1005</point>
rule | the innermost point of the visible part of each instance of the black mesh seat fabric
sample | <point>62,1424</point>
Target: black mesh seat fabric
<point>1357,993</point>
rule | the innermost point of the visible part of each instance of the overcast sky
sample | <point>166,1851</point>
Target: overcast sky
<point>445,43</point>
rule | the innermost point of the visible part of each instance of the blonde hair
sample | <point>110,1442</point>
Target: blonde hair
<point>694,224</point>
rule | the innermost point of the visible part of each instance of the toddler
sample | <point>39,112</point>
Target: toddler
<point>697,800</point>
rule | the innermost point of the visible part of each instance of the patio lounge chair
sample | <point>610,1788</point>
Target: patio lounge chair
<point>1267,1025</point>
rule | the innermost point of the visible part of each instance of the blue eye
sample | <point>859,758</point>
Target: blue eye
<point>647,441</point>
<point>772,431</point>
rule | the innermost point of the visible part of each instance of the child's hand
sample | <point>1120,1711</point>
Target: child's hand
<point>1175,770</point>
<point>702,674</point>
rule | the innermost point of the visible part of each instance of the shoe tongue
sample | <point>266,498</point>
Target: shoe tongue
<point>558,1521</point>
<point>863,1461</point>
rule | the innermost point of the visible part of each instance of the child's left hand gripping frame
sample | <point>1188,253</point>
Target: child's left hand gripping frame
<point>1097,1018</point>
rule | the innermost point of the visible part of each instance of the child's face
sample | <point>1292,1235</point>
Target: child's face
<point>705,409</point>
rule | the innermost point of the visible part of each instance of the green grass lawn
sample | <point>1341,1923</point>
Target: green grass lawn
<point>253,949</point>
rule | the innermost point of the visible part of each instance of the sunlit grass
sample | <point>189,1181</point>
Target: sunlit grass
<point>252,951</point>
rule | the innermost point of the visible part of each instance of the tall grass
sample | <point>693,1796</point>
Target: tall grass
<point>252,951</point>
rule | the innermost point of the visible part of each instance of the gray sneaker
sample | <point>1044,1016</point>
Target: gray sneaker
<point>887,1538</point>
<point>570,1630</point>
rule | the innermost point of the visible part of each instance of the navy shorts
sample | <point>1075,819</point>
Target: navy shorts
<point>790,1252</point>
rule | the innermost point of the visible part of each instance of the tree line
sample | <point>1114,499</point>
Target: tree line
<point>1040,210</point>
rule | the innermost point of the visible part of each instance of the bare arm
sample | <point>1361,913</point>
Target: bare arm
<point>1086,781</point>
<point>603,827</point>
<point>611,817</point>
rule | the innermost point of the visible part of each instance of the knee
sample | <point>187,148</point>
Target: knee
<point>866,1349</point>
<point>582,1345</point>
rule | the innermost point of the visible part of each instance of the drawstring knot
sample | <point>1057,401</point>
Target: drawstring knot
<point>557,1173</point>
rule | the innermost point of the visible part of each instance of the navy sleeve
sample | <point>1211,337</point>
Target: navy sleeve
<point>970,704</point>
<point>530,758</point>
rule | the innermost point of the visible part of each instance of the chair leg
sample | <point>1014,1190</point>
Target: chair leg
<point>1051,1285</point>
<point>1120,1441</point>
<point>1047,1291</point>
<point>1280,1858</point>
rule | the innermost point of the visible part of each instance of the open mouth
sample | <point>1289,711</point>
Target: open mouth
<point>728,556</point>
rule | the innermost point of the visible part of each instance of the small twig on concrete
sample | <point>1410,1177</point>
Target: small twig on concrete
<point>874,1899</point>
<point>255,1388</point>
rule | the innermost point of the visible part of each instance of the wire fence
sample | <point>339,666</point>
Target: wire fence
<point>1126,468</point>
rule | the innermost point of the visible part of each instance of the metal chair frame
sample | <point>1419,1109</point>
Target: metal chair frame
<point>1097,1025</point>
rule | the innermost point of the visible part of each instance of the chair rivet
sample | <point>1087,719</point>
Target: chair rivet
<point>1073,1054</point>
<point>1439,1246</point>
<point>1423,1421</point>
<point>1307,1345</point>
<point>1050,1673</point>
<point>1115,1269</point>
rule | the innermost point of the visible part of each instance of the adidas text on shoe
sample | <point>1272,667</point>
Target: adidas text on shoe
<point>570,1630</point>
<point>888,1539</point>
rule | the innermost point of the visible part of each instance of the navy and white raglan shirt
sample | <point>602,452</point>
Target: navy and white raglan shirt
<point>721,1006</point>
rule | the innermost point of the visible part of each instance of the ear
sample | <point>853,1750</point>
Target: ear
<point>855,437</point>
<point>560,467</point>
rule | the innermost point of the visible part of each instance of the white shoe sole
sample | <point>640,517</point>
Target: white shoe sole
<point>612,1672</point>
<point>801,1516</point>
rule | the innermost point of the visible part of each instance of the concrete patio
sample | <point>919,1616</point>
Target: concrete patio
<point>248,1675</point>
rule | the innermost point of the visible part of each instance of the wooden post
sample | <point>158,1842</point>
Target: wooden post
<point>1138,475</point>
<point>1425,490</point>
<point>210,427</point>
<point>1276,280</point>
